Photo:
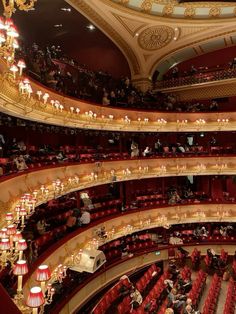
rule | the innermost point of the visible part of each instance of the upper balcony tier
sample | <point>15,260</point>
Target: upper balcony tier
<point>208,84</point>
<point>38,103</point>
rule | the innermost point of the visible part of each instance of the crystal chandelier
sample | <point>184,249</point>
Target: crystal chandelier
<point>9,6</point>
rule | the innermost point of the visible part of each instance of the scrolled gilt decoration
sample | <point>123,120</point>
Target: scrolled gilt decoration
<point>155,37</point>
<point>214,11</point>
<point>189,11</point>
<point>168,9</point>
<point>146,5</point>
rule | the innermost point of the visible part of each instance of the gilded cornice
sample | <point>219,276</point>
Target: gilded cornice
<point>174,9</point>
<point>124,170</point>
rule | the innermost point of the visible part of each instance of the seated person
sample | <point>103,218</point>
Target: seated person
<point>136,298</point>
<point>71,223</point>
<point>61,156</point>
<point>85,218</point>
<point>169,285</point>
<point>175,300</point>
<point>134,150</point>
<point>50,79</point>
<point>41,226</point>
<point>20,163</point>
<point>169,311</point>
<point>180,148</point>
<point>147,151</point>
<point>151,307</point>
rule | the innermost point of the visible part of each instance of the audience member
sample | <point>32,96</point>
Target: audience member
<point>20,163</point>
<point>41,226</point>
<point>136,298</point>
<point>147,151</point>
<point>134,150</point>
<point>85,218</point>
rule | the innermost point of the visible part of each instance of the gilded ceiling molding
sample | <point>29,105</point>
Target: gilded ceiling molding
<point>155,37</point>
<point>199,41</point>
<point>214,11</point>
<point>190,12</point>
<point>168,10</point>
<point>88,11</point>
<point>146,6</point>
<point>127,24</point>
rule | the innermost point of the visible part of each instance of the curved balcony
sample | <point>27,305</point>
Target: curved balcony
<point>79,176</point>
<point>199,78</point>
<point>65,111</point>
<point>128,223</point>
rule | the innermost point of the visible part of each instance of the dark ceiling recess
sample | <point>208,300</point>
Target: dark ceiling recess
<point>89,47</point>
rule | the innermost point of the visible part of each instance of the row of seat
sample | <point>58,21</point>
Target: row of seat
<point>142,283</point>
<point>197,288</point>
<point>212,296</point>
<point>155,293</point>
<point>110,296</point>
<point>195,256</point>
<point>230,301</point>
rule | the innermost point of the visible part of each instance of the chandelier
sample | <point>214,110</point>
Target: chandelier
<point>9,6</point>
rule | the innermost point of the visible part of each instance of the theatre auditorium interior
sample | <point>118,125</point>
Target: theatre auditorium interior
<point>117,157</point>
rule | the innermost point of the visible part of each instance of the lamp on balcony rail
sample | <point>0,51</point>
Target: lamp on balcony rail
<point>222,122</point>
<point>181,123</point>
<point>43,274</point>
<point>10,6</point>
<point>20,269</point>
<point>35,299</point>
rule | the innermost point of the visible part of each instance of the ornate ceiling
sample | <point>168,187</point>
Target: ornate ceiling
<point>172,8</point>
<point>158,41</point>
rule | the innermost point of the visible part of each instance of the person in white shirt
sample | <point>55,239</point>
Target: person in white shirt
<point>136,297</point>
<point>85,218</point>
<point>147,151</point>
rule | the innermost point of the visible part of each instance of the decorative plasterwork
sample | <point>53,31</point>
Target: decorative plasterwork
<point>155,37</point>
<point>131,25</point>
<point>138,169</point>
<point>172,8</point>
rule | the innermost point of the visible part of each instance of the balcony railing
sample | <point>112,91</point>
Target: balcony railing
<point>199,78</point>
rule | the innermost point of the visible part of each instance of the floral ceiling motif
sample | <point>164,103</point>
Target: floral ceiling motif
<point>155,37</point>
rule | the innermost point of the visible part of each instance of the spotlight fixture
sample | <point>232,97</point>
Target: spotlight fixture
<point>66,9</point>
<point>57,25</point>
<point>91,27</point>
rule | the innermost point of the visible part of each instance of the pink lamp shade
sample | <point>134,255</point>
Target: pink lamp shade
<point>35,298</point>
<point>17,236</point>
<point>20,268</point>
<point>43,273</point>
<point>12,32</point>
<point>3,233</point>
<point>5,244</point>
<point>9,216</point>
<point>11,229</point>
<point>21,245</point>
<point>23,212</point>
